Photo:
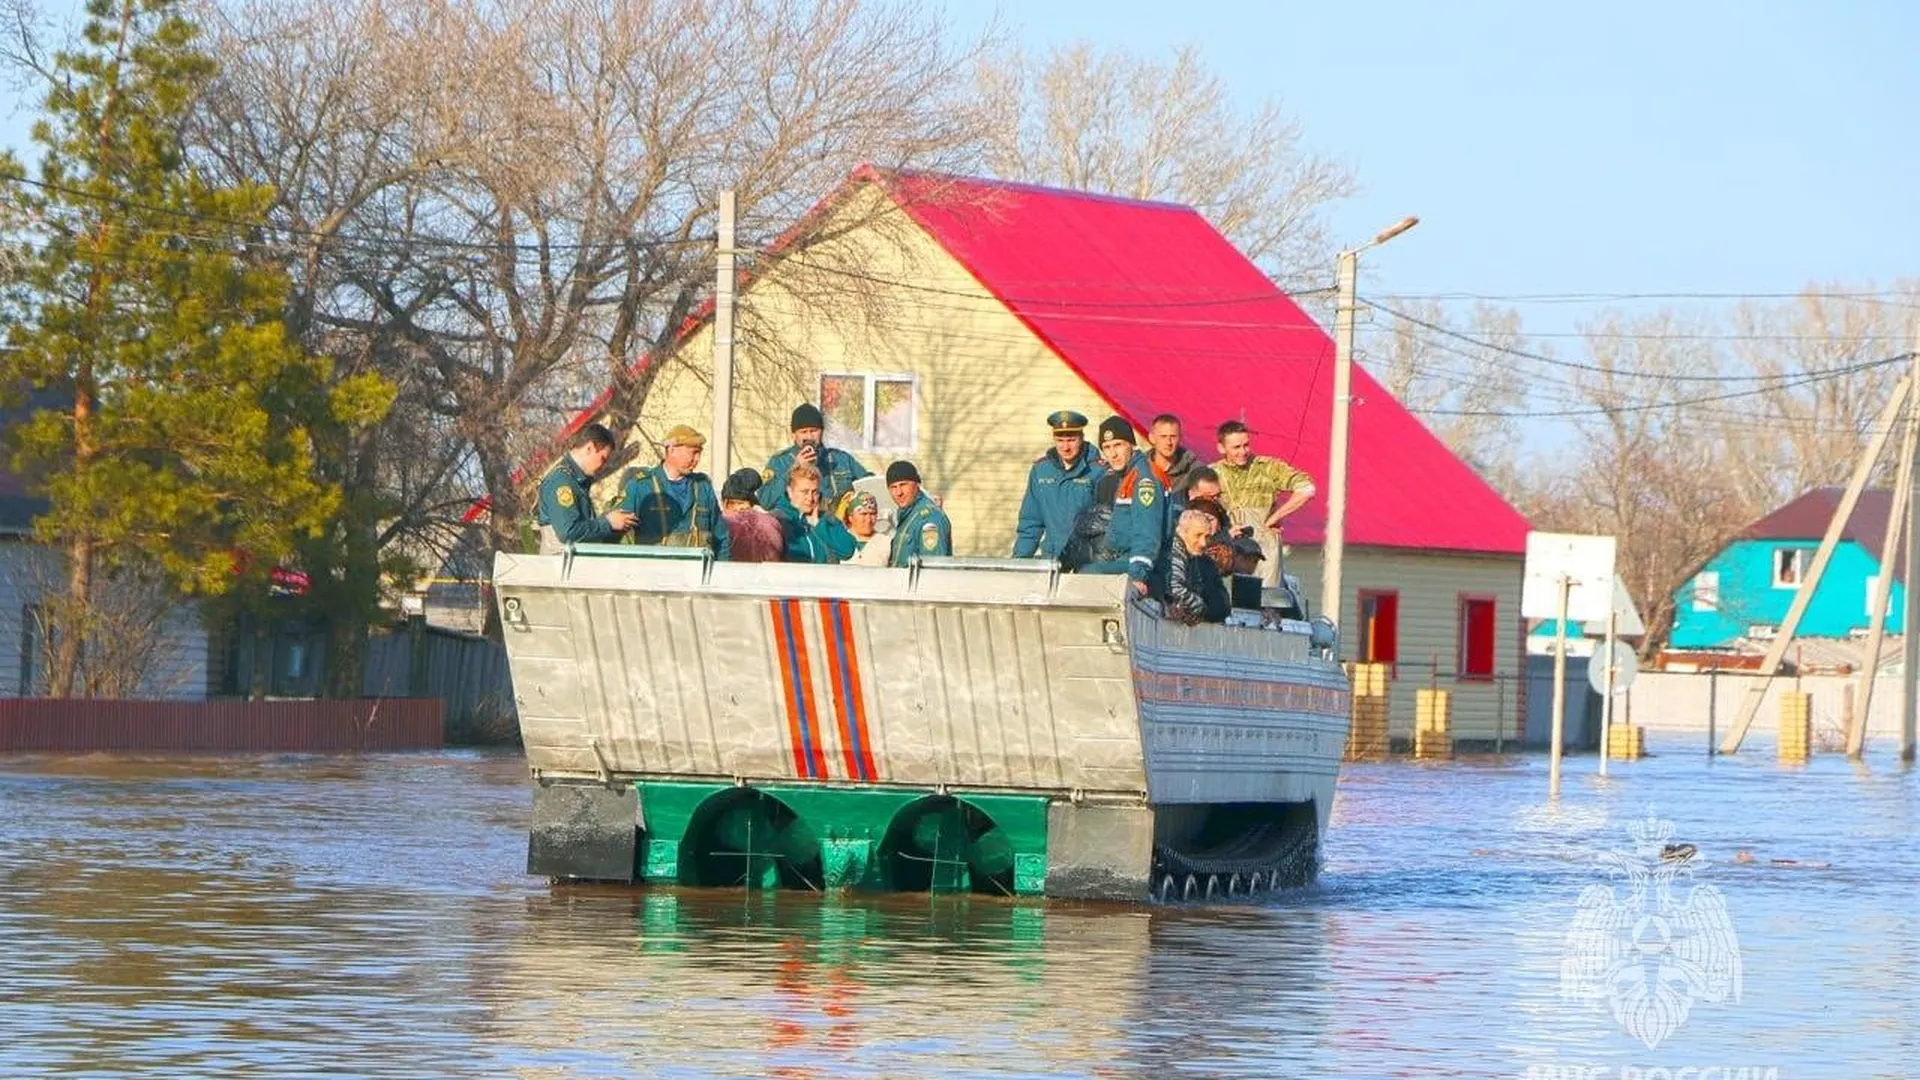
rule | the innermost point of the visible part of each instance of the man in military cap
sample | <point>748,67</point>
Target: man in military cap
<point>1059,486</point>
<point>1138,529</point>
<point>838,469</point>
<point>673,505</point>
<point>922,528</point>
<point>565,513</point>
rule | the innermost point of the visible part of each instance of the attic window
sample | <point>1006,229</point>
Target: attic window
<point>1789,567</point>
<point>868,411</point>
<point>1706,590</point>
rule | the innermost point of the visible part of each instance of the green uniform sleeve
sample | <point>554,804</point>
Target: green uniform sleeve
<point>1032,526</point>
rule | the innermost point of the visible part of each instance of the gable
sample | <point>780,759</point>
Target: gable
<point>1160,313</point>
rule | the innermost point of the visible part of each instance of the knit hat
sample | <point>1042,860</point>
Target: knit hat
<point>807,416</point>
<point>902,470</point>
<point>744,484</point>
<point>1114,427</point>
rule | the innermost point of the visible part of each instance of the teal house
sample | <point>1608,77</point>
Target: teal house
<point>1745,590</point>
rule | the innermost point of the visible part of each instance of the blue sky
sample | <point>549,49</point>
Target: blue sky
<point>1550,148</point>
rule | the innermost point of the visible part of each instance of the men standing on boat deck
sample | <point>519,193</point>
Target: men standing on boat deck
<point>1172,462</point>
<point>565,514</point>
<point>1138,529</point>
<point>1251,488</point>
<point>1059,486</point>
<point>674,506</point>
<point>922,528</point>
<point>838,469</point>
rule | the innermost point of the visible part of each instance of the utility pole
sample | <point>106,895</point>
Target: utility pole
<point>1910,623</point>
<point>1890,548</point>
<point>721,462</point>
<point>1333,550</point>
<point>1777,651</point>
<point>1606,702</point>
<point>1559,690</point>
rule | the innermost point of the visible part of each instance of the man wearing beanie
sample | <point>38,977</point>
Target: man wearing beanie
<point>1139,527</point>
<point>674,506</point>
<point>838,469</point>
<point>1059,485</point>
<point>923,528</point>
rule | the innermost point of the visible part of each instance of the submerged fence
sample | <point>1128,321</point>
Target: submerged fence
<point>67,725</point>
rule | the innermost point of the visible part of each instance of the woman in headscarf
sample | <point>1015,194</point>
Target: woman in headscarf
<point>861,512</point>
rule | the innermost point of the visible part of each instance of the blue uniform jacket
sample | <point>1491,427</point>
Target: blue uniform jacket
<point>838,471</point>
<point>1139,530</point>
<point>823,541</point>
<point>922,529</point>
<point>566,503</point>
<point>1055,496</point>
<point>658,519</point>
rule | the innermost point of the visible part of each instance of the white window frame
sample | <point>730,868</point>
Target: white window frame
<point>872,380</point>
<point>1873,586</point>
<point>1799,567</point>
<point>1706,590</point>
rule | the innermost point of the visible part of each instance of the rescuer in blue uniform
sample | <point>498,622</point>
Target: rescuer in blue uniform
<point>673,505</point>
<point>565,515</point>
<point>838,469</point>
<point>1059,486</point>
<point>922,528</point>
<point>1138,530</point>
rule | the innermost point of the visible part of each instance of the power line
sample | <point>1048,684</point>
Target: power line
<point>1650,406</point>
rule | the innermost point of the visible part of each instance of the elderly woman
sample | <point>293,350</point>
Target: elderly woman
<point>1194,591</point>
<point>861,511</point>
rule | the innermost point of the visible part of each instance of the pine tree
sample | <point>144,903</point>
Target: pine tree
<point>183,440</point>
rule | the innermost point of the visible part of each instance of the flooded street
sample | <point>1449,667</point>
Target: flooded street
<point>369,917</point>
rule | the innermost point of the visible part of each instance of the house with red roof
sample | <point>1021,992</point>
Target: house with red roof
<point>942,319</point>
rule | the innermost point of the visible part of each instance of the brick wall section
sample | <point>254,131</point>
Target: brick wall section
<point>73,725</point>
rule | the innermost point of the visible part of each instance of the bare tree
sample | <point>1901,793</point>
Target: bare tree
<point>1458,378</point>
<point>1108,120</point>
<point>506,206</point>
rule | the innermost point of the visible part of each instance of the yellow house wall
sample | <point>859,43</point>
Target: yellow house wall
<point>1430,585</point>
<point>985,384</point>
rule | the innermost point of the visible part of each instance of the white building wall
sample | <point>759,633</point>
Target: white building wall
<point>180,666</point>
<point>1431,586</point>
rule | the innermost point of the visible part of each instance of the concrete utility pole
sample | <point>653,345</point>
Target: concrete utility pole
<point>1559,691</point>
<point>1777,651</point>
<point>1890,548</point>
<point>1910,628</point>
<point>720,462</point>
<point>1333,551</point>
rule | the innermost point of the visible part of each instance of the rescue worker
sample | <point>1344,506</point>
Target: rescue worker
<point>812,535</point>
<point>922,528</point>
<point>674,506</point>
<point>838,469</point>
<point>1172,462</point>
<point>1059,485</point>
<point>1252,487</point>
<point>1138,531</point>
<point>565,515</point>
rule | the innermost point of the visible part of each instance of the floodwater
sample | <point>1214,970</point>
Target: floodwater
<point>369,917</point>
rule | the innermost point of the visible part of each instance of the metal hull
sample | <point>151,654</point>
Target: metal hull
<point>1115,746</point>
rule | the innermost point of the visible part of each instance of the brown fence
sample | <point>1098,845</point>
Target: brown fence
<point>86,725</point>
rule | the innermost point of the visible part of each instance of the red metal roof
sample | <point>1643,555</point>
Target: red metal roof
<point>1160,313</point>
<point>1807,516</point>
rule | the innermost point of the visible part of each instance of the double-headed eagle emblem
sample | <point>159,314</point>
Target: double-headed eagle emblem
<point>1653,953</point>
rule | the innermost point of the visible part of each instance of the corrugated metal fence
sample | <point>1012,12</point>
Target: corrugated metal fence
<point>467,672</point>
<point>83,725</point>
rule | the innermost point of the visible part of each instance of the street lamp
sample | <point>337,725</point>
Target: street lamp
<point>1334,549</point>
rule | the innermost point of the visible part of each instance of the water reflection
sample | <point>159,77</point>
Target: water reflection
<point>288,916</point>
